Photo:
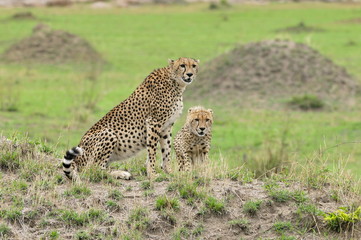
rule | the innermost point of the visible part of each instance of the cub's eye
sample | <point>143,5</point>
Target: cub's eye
<point>183,65</point>
<point>197,120</point>
<point>207,120</point>
<point>194,66</point>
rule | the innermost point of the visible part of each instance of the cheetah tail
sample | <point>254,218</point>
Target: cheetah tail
<point>69,158</point>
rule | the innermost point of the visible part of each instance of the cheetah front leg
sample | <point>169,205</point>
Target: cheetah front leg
<point>185,162</point>
<point>153,133</point>
<point>165,145</point>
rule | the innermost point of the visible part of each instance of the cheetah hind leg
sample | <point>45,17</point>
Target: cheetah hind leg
<point>121,175</point>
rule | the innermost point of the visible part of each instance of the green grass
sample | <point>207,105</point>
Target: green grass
<point>164,202</point>
<point>214,205</point>
<point>43,102</point>
<point>78,191</point>
<point>251,207</point>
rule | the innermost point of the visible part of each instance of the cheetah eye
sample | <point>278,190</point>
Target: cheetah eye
<point>207,120</point>
<point>194,66</point>
<point>183,65</point>
<point>197,120</point>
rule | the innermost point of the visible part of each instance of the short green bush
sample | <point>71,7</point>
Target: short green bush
<point>306,102</point>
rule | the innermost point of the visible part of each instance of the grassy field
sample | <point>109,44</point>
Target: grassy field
<point>59,103</point>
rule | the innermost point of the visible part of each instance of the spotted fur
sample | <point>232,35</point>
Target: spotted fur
<point>192,143</point>
<point>141,121</point>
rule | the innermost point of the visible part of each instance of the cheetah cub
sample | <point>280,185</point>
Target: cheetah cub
<point>140,122</point>
<point>193,141</point>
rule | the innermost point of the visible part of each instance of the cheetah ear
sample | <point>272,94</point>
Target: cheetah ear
<point>210,110</point>
<point>190,110</point>
<point>198,61</point>
<point>170,62</point>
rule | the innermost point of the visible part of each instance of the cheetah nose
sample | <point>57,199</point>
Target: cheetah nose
<point>189,74</point>
<point>202,129</point>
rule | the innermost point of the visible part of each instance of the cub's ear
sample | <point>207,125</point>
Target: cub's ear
<point>210,110</point>
<point>190,110</point>
<point>170,62</point>
<point>198,61</point>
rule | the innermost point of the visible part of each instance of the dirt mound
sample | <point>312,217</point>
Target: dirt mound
<point>267,72</point>
<point>38,203</point>
<point>49,46</point>
<point>300,28</point>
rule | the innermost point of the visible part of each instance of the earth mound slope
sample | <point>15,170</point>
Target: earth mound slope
<point>272,71</point>
<point>49,46</point>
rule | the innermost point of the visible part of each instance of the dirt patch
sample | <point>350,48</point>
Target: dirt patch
<point>300,28</point>
<point>48,46</point>
<point>264,74</point>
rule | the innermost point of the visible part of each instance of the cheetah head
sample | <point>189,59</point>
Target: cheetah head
<point>184,70</point>
<point>200,120</point>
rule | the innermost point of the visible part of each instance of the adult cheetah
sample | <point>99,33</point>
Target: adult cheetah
<point>193,141</point>
<point>141,121</point>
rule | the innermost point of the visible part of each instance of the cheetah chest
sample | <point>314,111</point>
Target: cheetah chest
<point>175,113</point>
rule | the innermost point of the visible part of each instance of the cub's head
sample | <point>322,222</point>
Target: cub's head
<point>200,120</point>
<point>184,70</point>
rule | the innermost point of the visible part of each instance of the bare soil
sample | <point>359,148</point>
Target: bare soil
<point>264,74</point>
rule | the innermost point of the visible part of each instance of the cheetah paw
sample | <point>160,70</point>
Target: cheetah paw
<point>121,175</point>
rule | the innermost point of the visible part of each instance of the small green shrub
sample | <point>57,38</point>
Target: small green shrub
<point>284,237</point>
<point>306,102</point>
<point>54,235</point>
<point>111,205</point>
<point>214,205</point>
<point>341,219</point>
<point>163,202</point>
<point>251,207</point>
<point>281,227</point>
<point>12,215</point>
